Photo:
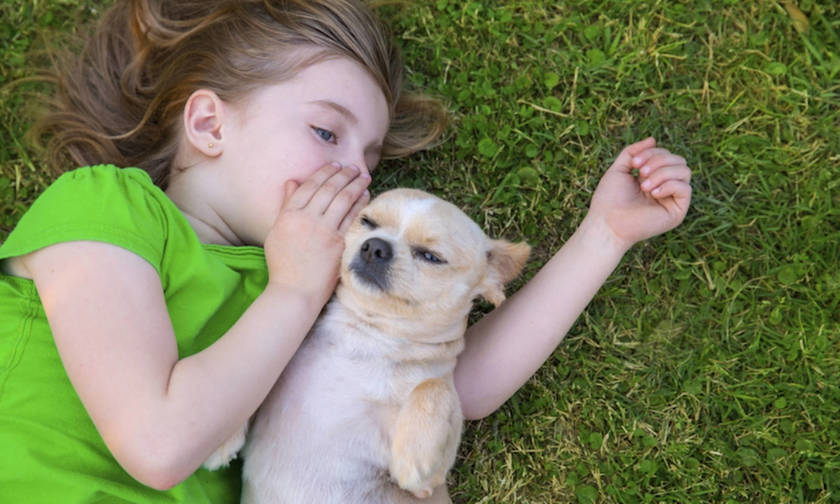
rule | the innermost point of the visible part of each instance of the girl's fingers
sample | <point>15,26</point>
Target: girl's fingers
<point>334,188</point>
<point>633,150</point>
<point>656,178</point>
<point>306,190</point>
<point>332,193</point>
<point>343,202</point>
<point>624,160</point>
<point>289,189</point>
<point>654,157</point>
<point>362,202</point>
<point>675,195</point>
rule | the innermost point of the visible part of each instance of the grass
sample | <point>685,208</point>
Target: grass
<point>707,369</point>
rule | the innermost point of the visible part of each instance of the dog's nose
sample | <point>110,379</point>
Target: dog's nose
<point>376,250</point>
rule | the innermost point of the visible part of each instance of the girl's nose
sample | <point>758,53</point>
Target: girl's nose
<point>353,154</point>
<point>360,163</point>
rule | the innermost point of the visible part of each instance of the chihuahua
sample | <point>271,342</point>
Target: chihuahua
<point>366,412</point>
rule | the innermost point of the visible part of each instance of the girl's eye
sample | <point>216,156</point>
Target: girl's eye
<point>428,256</point>
<point>369,223</point>
<point>325,134</point>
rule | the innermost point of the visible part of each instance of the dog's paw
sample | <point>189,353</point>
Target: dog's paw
<point>425,437</point>
<point>227,452</point>
<point>418,474</point>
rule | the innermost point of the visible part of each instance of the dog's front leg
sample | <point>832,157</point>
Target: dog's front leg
<point>227,452</point>
<point>425,437</point>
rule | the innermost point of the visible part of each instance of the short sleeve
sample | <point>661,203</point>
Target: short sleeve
<point>120,206</point>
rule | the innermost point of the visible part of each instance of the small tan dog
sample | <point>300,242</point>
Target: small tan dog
<point>367,412</point>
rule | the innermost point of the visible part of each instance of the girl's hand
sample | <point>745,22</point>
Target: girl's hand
<point>637,208</point>
<point>303,249</point>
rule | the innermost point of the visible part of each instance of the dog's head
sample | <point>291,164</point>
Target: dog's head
<point>411,255</point>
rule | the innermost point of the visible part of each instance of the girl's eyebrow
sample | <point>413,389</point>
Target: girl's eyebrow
<point>338,108</point>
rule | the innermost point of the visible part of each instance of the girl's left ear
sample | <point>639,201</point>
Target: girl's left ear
<point>504,260</point>
<point>204,115</point>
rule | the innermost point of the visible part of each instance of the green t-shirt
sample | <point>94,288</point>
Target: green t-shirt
<point>50,451</point>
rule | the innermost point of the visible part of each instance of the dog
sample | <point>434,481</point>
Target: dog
<point>366,412</point>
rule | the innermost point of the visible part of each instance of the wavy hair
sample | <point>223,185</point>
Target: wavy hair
<point>121,98</point>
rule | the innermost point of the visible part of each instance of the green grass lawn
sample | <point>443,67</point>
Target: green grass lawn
<point>708,367</point>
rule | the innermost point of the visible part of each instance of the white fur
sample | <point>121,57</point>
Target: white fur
<point>315,427</point>
<point>366,412</point>
<point>413,209</point>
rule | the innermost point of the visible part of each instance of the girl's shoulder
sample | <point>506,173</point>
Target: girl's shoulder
<point>105,180</point>
<point>103,203</point>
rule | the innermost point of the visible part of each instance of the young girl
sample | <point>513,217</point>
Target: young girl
<point>146,312</point>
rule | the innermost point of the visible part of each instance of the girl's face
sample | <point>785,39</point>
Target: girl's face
<point>331,111</point>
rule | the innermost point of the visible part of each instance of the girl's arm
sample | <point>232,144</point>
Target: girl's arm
<point>162,417</point>
<point>510,343</point>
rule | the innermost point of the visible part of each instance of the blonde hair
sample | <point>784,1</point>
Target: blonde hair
<point>120,99</point>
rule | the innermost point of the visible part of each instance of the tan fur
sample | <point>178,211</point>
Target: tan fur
<point>426,437</point>
<point>367,411</point>
<point>505,260</point>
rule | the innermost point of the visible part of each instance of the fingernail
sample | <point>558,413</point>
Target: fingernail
<point>637,160</point>
<point>646,184</point>
<point>644,170</point>
<point>336,164</point>
<point>355,168</point>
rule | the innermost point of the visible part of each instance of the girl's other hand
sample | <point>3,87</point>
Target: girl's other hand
<point>303,249</point>
<point>635,208</point>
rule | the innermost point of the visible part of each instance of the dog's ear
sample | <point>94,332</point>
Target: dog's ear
<point>505,261</point>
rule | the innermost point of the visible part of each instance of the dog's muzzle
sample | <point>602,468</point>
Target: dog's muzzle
<point>373,263</point>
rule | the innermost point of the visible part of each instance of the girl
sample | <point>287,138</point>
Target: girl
<point>146,312</point>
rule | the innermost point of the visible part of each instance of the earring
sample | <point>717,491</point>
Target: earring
<point>211,145</point>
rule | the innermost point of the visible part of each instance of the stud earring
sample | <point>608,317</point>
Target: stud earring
<point>211,145</point>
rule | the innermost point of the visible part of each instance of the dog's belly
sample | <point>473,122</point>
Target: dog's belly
<point>322,435</point>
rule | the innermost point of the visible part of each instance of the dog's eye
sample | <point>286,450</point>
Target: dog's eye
<point>428,256</point>
<point>369,223</point>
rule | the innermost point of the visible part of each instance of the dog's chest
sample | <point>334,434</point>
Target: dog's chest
<point>348,380</point>
<point>341,362</point>
<point>326,429</point>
